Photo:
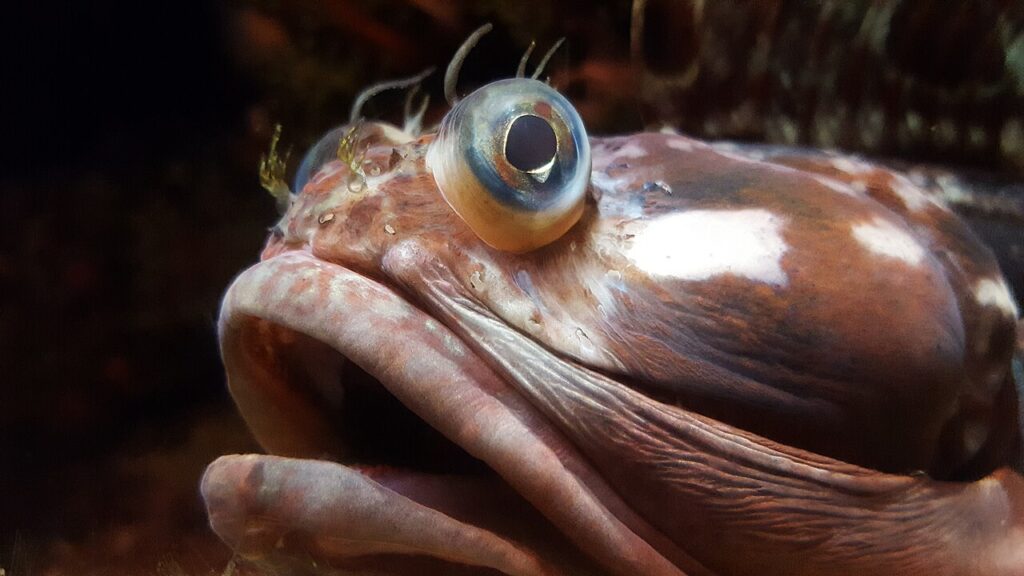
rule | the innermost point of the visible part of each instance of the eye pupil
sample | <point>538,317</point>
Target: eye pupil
<point>530,144</point>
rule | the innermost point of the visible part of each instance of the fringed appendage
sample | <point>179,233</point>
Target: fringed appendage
<point>272,172</point>
<point>451,76</point>
<point>412,82</point>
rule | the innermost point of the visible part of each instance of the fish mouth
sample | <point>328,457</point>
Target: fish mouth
<point>397,448</point>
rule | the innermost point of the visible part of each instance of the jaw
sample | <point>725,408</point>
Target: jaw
<point>442,463</point>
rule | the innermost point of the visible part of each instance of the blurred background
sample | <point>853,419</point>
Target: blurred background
<point>129,194</point>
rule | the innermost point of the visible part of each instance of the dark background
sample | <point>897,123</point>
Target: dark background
<point>129,197</point>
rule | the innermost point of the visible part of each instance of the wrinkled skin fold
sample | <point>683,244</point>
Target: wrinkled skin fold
<point>841,403</point>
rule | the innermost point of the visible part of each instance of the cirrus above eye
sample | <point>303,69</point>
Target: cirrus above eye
<point>513,161</point>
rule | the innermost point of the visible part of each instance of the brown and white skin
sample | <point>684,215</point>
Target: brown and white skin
<point>727,364</point>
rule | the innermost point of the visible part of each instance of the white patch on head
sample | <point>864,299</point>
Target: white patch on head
<point>836,185</point>
<point>681,144</point>
<point>734,156</point>
<point>995,292</point>
<point>913,197</point>
<point>737,152</point>
<point>605,154</point>
<point>602,180</point>
<point>851,165</point>
<point>701,244</point>
<point>630,150</point>
<point>734,152</point>
<point>887,239</point>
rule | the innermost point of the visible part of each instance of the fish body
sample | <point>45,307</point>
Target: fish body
<point>730,363</point>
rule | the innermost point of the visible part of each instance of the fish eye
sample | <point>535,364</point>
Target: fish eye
<point>513,161</point>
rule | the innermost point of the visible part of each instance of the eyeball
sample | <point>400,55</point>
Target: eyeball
<point>512,159</point>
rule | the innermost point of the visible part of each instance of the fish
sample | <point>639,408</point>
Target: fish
<point>507,346</point>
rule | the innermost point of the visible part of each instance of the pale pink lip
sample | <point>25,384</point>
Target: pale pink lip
<point>439,378</point>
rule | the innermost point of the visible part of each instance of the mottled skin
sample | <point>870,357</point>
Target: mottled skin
<point>729,366</point>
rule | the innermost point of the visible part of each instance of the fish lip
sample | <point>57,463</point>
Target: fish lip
<point>440,379</point>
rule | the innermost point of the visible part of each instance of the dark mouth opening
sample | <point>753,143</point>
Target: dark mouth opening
<point>373,427</point>
<point>374,434</point>
<point>354,461</point>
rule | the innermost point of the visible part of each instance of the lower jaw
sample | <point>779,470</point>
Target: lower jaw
<point>292,515</point>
